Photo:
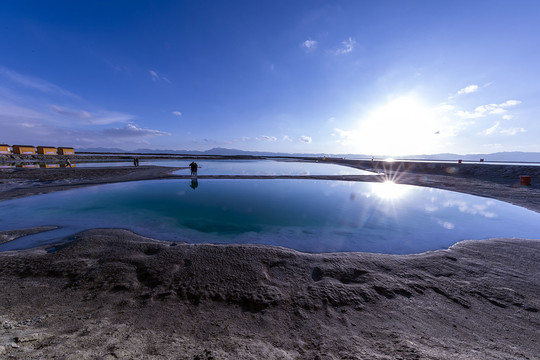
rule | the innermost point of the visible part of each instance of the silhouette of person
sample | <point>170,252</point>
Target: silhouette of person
<point>194,183</point>
<point>193,167</point>
<point>68,163</point>
<point>135,161</point>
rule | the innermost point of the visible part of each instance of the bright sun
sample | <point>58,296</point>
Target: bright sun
<point>402,126</point>
<point>389,190</point>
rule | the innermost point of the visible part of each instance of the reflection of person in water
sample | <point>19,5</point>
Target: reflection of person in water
<point>194,183</point>
<point>193,167</point>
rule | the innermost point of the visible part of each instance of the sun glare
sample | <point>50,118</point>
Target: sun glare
<point>403,126</point>
<point>389,190</point>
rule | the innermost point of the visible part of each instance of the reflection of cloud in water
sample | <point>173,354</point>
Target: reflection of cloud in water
<point>446,224</point>
<point>477,209</point>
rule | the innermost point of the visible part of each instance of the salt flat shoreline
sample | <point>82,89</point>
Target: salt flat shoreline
<point>114,294</point>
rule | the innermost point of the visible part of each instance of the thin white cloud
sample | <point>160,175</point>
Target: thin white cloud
<point>468,89</point>
<point>286,138</point>
<point>446,107</point>
<point>177,113</point>
<point>33,83</point>
<point>492,129</point>
<point>508,117</point>
<point>310,45</point>
<point>266,138</point>
<point>509,103</point>
<point>157,77</point>
<point>14,112</point>
<point>132,130</point>
<point>489,109</point>
<point>98,118</point>
<point>306,139</point>
<point>496,129</point>
<point>347,46</point>
<point>512,131</point>
<point>346,137</point>
<point>81,114</point>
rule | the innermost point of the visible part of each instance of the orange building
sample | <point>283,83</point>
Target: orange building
<point>66,151</point>
<point>46,150</point>
<point>24,149</point>
<point>5,149</point>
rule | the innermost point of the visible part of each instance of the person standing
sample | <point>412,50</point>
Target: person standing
<point>193,167</point>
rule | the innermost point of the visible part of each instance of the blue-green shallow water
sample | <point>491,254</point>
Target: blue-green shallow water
<point>307,215</point>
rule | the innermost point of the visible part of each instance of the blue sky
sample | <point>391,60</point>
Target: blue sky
<point>368,77</point>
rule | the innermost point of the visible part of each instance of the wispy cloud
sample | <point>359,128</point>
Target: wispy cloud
<point>101,117</point>
<point>177,113</point>
<point>266,138</point>
<point>33,83</point>
<point>346,46</point>
<point>132,130</point>
<point>446,107</point>
<point>489,109</point>
<point>286,138</point>
<point>157,77</point>
<point>81,114</point>
<point>492,129</point>
<point>306,139</point>
<point>345,137</point>
<point>310,45</point>
<point>497,129</point>
<point>513,131</point>
<point>468,89</point>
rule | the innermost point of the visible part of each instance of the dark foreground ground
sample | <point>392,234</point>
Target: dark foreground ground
<point>112,294</point>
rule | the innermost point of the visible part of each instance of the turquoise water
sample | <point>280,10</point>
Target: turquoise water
<point>307,215</point>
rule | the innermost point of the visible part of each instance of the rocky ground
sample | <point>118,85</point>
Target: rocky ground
<point>113,294</point>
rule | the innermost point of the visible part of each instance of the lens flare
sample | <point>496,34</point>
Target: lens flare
<point>389,190</point>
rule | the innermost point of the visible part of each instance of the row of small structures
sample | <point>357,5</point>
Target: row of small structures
<point>32,150</point>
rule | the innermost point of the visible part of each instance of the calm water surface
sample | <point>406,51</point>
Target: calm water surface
<point>307,215</point>
<point>247,167</point>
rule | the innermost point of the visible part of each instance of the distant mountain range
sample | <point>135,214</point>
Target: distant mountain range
<point>512,156</point>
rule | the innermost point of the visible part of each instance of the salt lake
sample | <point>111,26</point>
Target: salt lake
<point>306,215</point>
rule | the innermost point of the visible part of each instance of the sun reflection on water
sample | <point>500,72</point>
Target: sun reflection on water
<point>389,190</point>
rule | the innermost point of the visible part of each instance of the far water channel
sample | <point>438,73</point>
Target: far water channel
<point>246,167</point>
<point>306,215</point>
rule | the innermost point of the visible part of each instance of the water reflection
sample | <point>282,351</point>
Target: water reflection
<point>389,190</point>
<point>307,215</point>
